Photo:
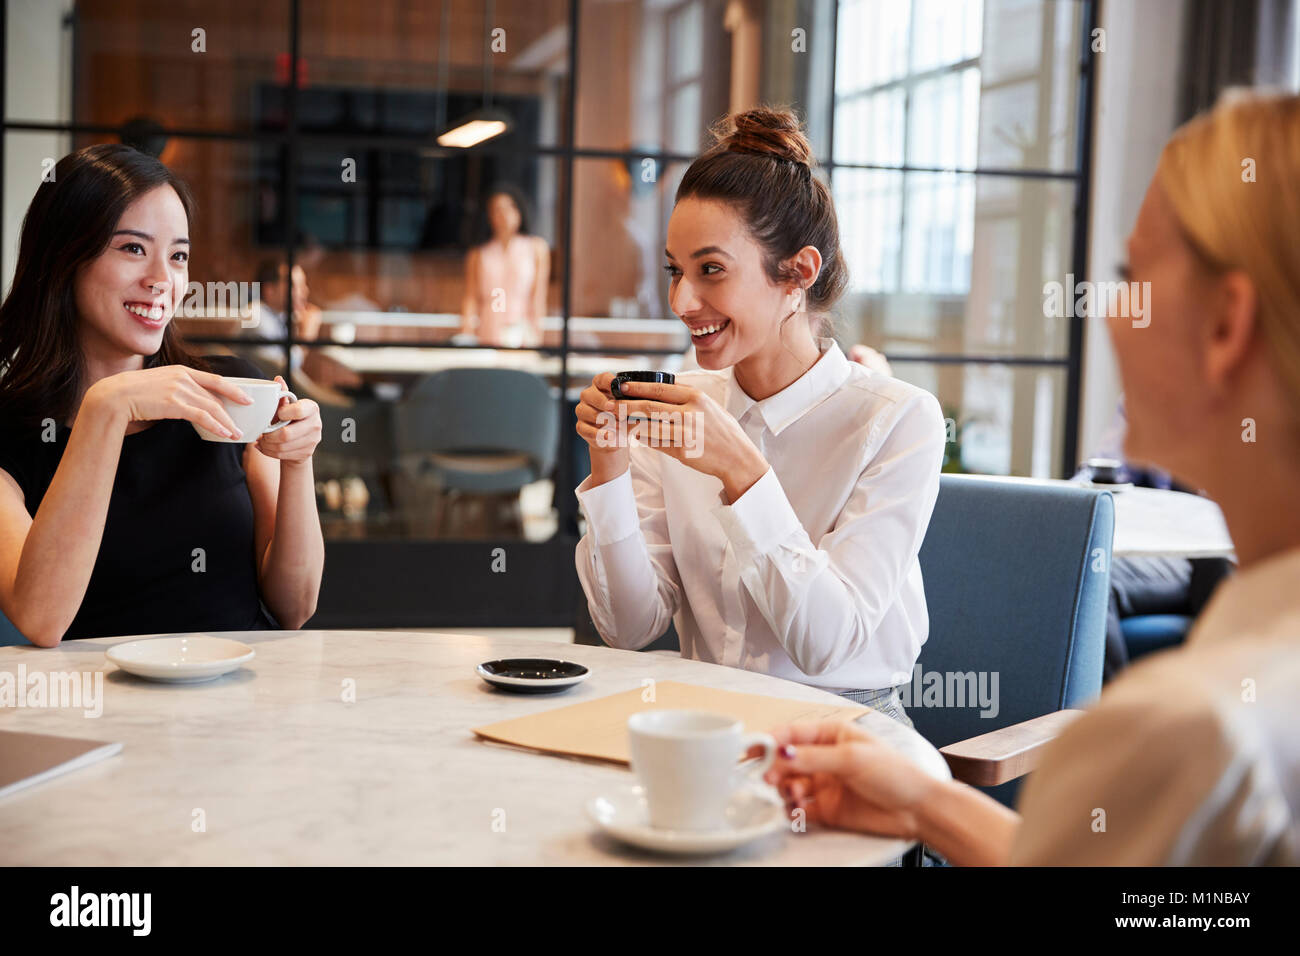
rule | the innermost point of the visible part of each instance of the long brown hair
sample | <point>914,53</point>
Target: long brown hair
<point>69,223</point>
<point>761,163</point>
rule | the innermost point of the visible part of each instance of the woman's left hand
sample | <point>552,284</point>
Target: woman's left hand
<point>296,441</point>
<point>842,775</point>
<point>686,424</point>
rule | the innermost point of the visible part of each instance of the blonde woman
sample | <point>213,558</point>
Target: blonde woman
<point>1192,754</point>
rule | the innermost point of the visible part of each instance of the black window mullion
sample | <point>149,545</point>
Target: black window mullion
<point>290,185</point>
<point>565,502</point>
<point>1082,196</point>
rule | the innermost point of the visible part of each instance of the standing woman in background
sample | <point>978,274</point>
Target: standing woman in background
<point>506,278</point>
<point>785,541</point>
<point>115,516</point>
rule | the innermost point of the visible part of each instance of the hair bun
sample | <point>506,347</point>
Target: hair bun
<point>765,132</point>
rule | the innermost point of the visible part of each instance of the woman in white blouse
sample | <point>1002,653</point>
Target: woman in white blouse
<point>1191,757</point>
<point>775,507</point>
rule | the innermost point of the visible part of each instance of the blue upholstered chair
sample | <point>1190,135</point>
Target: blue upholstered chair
<point>10,635</point>
<point>1016,581</point>
<point>1147,633</point>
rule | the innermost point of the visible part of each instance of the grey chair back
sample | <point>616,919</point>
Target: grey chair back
<point>355,439</point>
<point>480,411</point>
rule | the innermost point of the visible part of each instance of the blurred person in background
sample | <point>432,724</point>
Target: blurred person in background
<point>506,277</point>
<point>269,321</point>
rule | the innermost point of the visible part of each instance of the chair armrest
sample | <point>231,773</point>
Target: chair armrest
<point>1002,755</point>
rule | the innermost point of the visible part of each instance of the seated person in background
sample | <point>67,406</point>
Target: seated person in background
<point>115,516</point>
<point>269,322</point>
<point>866,355</point>
<point>1190,757</point>
<point>1149,585</point>
<point>780,522</point>
<point>507,277</point>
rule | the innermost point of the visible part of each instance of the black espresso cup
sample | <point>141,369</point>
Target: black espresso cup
<point>1104,471</point>
<point>615,386</point>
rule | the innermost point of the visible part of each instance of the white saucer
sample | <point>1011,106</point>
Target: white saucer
<point>180,660</point>
<point>752,812</point>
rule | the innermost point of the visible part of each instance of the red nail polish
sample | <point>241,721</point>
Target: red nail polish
<point>787,752</point>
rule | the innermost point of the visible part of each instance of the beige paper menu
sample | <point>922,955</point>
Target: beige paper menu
<point>598,728</point>
<point>28,759</point>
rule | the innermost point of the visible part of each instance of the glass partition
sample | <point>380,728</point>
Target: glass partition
<point>441,220</point>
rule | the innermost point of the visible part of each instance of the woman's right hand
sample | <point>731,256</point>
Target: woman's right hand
<point>841,775</point>
<point>170,391</point>
<point>609,454</point>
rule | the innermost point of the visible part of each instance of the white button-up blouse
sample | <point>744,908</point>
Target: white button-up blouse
<point>812,574</point>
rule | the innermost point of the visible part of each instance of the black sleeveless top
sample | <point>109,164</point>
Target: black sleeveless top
<point>177,553</point>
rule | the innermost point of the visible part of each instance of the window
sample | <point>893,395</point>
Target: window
<point>949,129</point>
<point>956,173</point>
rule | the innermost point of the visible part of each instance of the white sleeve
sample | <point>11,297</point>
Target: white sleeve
<point>625,560</point>
<point>824,601</point>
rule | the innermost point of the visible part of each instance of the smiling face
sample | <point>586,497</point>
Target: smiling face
<point>718,285</point>
<point>126,296</point>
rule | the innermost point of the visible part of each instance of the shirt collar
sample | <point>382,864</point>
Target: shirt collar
<point>1251,600</point>
<point>787,406</point>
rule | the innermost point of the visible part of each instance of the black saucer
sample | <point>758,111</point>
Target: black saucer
<point>532,675</point>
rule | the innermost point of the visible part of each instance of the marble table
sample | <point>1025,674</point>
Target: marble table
<point>270,765</point>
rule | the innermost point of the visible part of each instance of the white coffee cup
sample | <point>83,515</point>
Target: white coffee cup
<point>687,763</point>
<point>255,419</point>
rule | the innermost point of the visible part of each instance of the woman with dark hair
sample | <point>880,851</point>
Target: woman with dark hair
<point>776,507</point>
<point>506,277</point>
<point>115,516</point>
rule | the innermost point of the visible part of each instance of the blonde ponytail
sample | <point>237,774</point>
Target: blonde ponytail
<point>1233,178</point>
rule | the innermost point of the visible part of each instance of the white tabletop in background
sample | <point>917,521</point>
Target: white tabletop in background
<point>409,359</point>
<point>1151,522</point>
<point>286,772</point>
